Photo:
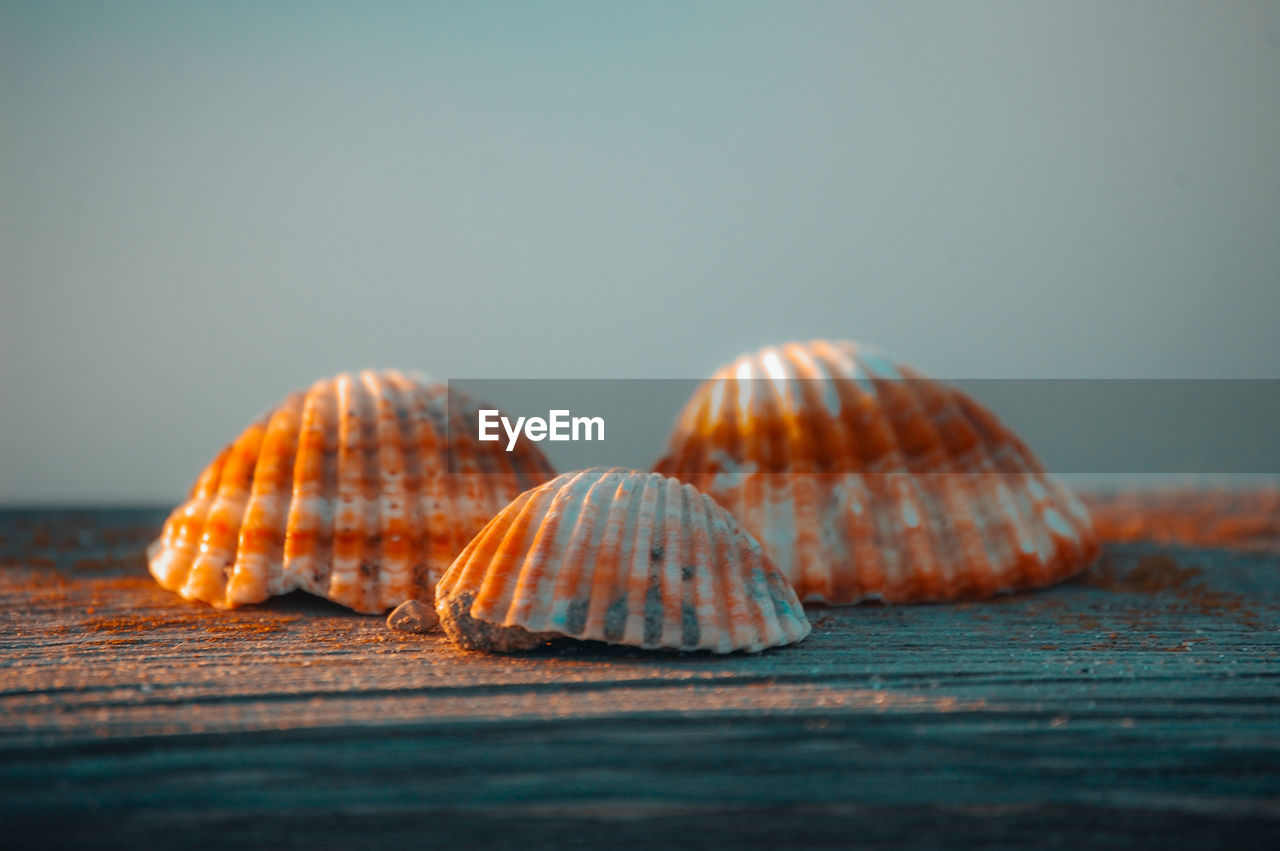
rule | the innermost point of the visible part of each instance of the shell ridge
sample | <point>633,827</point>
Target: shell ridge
<point>1057,539</point>
<point>791,456</point>
<point>720,607</point>
<point>965,496</point>
<point>470,562</point>
<point>775,608</point>
<point>170,557</point>
<point>714,408</point>
<point>643,575</point>
<point>898,552</point>
<point>871,439</point>
<point>301,533</point>
<point>815,573</point>
<point>572,588</point>
<point>794,446</point>
<point>891,397</point>
<point>613,567</point>
<point>695,561</point>
<point>756,620</point>
<point>786,609</point>
<point>349,511</point>
<point>925,524</point>
<point>768,408</point>
<point>920,564</point>
<point>999,530</point>
<point>807,494</point>
<point>732,407</point>
<point>315,574</point>
<point>668,589</point>
<point>530,602</point>
<point>283,495</point>
<point>852,493</point>
<point>258,570</point>
<point>972,553</point>
<point>1078,516</point>
<point>961,558</point>
<point>460,468</point>
<point>493,599</point>
<point>1032,547</point>
<point>413,538</point>
<point>368,544</point>
<point>436,536</point>
<point>757,625</point>
<point>207,579</point>
<point>734,587</point>
<point>819,388</point>
<point>1023,535</point>
<point>821,402</point>
<point>1071,533</point>
<point>1074,543</point>
<point>549,544</point>
<point>1044,545</point>
<point>391,495</point>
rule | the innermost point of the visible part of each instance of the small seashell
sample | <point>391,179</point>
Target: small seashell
<point>413,616</point>
<point>618,556</point>
<point>343,490</point>
<point>864,480</point>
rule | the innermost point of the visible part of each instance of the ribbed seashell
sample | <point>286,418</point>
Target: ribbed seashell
<point>617,556</point>
<point>865,480</point>
<point>344,490</point>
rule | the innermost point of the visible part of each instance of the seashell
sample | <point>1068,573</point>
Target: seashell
<point>343,490</point>
<point>864,480</point>
<point>618,556</point>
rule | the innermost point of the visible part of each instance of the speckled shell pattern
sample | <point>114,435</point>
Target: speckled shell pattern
<point>623,557</point>
<point>865,480</point>
<point>343,490</point>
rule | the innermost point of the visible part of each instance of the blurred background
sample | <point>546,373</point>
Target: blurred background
<point>203,206</point>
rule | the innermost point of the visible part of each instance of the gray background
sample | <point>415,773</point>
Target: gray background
<point>202,207</point>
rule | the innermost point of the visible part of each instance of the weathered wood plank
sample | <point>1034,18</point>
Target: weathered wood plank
<point>1141,702</point>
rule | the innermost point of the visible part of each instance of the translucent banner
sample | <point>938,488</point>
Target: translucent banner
<point>1073,426</point>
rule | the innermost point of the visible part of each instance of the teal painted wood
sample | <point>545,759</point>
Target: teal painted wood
<point>1137,705</point>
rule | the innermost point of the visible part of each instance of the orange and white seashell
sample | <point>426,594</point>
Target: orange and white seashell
<point>618,556</point>
<point>865,480</point>
<point>344,490</point>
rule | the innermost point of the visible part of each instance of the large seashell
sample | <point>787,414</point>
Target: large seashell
<point>345,491</point>
<point>618,556</point>
<point>864,480</point>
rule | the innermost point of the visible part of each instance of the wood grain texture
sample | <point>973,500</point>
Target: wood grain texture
<point>1139,704</point>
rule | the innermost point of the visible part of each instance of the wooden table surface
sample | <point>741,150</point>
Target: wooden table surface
<point>1137,705</point>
